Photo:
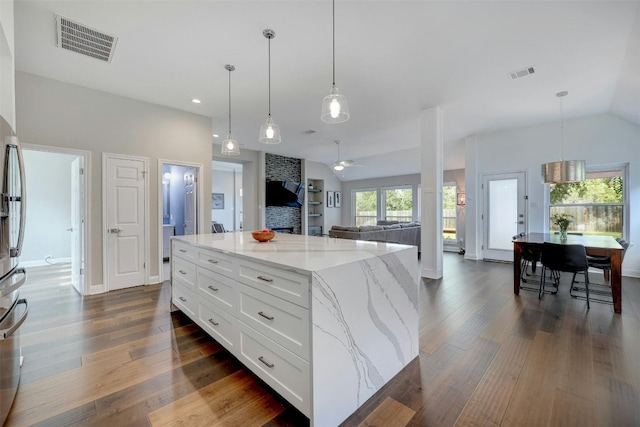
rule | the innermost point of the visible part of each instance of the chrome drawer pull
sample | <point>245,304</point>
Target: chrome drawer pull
<point>212,288</point>
<point>182,250</point>
<point>265,279</point>
<point>270,365</point>
<point>182,299</point>
<point>213,322</point>
<point>183,272</point>
<point>265,316</point>
<point>212,261</point>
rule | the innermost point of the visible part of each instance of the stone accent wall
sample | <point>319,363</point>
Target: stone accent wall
<point>280,168</point>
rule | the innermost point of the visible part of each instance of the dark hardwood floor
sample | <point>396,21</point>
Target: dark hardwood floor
<point>487,358</point>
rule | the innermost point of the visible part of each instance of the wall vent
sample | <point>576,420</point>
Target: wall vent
<point>522,73</point>
<point>86,41</point>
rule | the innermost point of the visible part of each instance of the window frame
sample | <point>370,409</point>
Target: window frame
<point>382,209</point>
<point>624,172</point>
<point>354,211</point>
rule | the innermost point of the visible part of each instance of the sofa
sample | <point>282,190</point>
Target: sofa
<point>406,233</point>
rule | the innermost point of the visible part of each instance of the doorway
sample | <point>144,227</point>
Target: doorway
<point>58,215</point>
<point>179,197</point>
<point>226,185</point>
<point>504,213</point>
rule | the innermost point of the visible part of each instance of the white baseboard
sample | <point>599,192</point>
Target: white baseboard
<point>43,263</point>
<point>96,289</point>
<point>631,273</point>
<point>154,280</point>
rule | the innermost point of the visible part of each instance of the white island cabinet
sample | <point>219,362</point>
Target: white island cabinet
<point>325,322</point>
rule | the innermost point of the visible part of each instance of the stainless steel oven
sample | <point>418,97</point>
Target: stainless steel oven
<point>13,309</point>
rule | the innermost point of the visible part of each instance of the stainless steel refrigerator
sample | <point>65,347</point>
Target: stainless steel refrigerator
<point>13,308</point>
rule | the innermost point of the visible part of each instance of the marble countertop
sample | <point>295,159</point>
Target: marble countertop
<point>304,253</point>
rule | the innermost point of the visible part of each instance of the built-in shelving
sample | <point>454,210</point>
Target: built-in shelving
<point>315,207</point>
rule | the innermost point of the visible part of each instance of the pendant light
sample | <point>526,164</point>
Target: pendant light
<point>564,171</point>
<point>334,106</point>
<point>269,131</point>
<point>230,146</point>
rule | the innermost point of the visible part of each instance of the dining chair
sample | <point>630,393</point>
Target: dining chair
<point>604,289</point>
<point>529,257</point>
<point>564,258</point>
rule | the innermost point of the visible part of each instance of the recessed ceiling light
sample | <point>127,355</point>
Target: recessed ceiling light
<point>215,135</point>
<point>195,100</point>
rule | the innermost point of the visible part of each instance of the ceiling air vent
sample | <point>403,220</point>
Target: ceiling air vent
<point>522,73</point>
<point>84,40</point>
<point>308,132</point>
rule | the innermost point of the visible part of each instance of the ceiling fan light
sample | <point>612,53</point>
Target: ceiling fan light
<point>270,132</point>
<point>230,146</point>
<point>338,167</point>
<point>334,107</point>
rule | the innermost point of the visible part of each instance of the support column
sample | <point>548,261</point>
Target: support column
<point>431,197</point>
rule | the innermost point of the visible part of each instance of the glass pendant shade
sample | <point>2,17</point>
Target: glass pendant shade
<point>334,107</point>
<point>230,146</point>
<point>564,171</point>
<point>269,132</point>
<point>338,167</point>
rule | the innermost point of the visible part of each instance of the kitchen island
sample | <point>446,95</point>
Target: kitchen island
<point>325,322</point>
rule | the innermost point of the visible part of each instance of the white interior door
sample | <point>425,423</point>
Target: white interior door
<point>190,202</point>
<point>125,191</point>
<point>504,213</point>
<point>77,225</point>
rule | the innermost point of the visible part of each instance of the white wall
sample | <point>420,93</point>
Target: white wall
<point>413,180</point>
<point>48,178</point>
<point>600,140</point>
<point>59,114</point>
<point>315,170</point>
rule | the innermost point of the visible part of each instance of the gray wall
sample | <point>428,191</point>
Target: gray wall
<point>58,114</point>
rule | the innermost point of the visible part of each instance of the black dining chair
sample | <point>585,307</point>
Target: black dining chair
<point>563,258</point>
<point>528,257</point>
<point>599,289</point>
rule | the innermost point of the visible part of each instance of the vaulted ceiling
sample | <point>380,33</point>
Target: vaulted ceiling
<point>393,59</point>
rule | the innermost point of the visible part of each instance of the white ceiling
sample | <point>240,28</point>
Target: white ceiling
<point>393,59</point>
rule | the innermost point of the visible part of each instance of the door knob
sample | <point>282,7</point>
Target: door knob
<point>115,230</point>
<point>70,229</point>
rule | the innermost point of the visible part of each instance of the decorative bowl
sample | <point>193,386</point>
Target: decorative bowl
<point>263,236</point>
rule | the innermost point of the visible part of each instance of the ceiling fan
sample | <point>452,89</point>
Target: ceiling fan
<point>339,165</point>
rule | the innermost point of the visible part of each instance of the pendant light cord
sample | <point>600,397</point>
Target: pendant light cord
<point>229,102</point>
<point>561,128</point>
<point>334,42</point>
<point>269,76</point>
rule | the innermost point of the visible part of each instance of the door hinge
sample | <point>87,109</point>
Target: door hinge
<point>81,271</point>
<point>195,179</point>
<point>526,197</point>
<point>144,265</point>
<point>81,171</point>
<point>144,174</point>
<point>482,247</point>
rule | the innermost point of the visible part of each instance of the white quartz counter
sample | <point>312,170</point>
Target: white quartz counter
<point>303,253</point>
<point>360,305</point>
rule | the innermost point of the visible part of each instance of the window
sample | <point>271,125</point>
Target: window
<point>398,204</point>
<point>449,214</point>
<point>366,207</point>
<point>596,205</point>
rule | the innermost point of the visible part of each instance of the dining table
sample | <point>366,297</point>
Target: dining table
<point>594,245</point>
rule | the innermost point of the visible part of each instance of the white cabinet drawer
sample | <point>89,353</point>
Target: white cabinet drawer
<point>283,322</point>
<point>218,289</point>
<point>216,261</point>
<point>184,250</point>
<point>285,284</point>
<point>184,270</point>
<point>284,371</point>
<point>185,299</point>
<point>222,326</point>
